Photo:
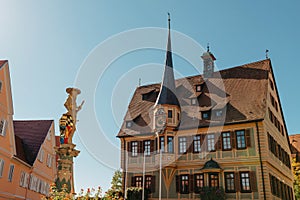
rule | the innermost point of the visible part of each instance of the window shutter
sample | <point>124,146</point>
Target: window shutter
<point>153,184</point>
<point>191,183</point>
<point>177,184</point>
<point>202,142</point>
<point>189,144</point>
<point>253,183</point>
<point>237,181</point>
<point>151,146</point>
<point>232,135</point>
<point>133,181</point>
<point>248,138</point>
<point>218,144</point>
<point>140,147</point>
<point>129,146</point>
<point>3,127</point>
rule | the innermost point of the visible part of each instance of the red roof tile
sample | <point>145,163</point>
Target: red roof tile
<point>29,136</point>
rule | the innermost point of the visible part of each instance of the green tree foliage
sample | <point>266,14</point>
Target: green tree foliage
<point>296,171</point>
<point>134,193</point>
<point>212,193</point>
<point>115,191</point>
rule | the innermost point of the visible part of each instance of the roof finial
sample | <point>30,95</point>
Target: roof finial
<point>267,55</point>
<point>207,47</point>
<point>169,20</point>
<point>140,82</point>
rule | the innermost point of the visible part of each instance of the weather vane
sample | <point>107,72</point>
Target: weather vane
<point>267,55</point>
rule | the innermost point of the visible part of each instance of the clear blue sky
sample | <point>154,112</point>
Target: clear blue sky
<point>46,42</point>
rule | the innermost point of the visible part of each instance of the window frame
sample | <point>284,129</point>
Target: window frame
<point>196,143</point>
<point>138,179</point>
<point>247,181</point>
<point>198,178</point>
<point>11,172</point>
<point>134,148</point>
<point>228,140</point>
<point>184,184</point>
<point>147,147</point>
<point>240,136</point>
<point>212,179</point>
<point>3,126</point>
<point>1,167</point>
<point>211,142</point>
<point>228,187</point>
<point>170,144</point>
<point>182,144</point>
<point>208,115</point>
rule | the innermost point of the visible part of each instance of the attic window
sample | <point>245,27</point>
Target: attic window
<point>128,124</point>
<point>193,101</point>
<point>271,84</point>
<point>0,86</point>
<point>205,115</point>
<point>219,113</point>
<point>170,114</point>
<point>198,88</point>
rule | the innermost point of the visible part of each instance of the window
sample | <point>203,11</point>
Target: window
<point>219,113</point>
<point>229,182</point>
<point>11,172</point>
<point>210,142</point>
<point>226,141</point>
<point>134,148</point>
<point>197,143</point>
<point>170,144</point>
<point>41,155</point>
<point>245,182</point>
<point>184,184</point>
<point>23,179</point>
<point>271,84</point>
<point>138,181</point>
<point>0,86</point>
<point>1,167</point>
<point>128,124</point>
<point>162,144</point>
<point>193,101</point>
<point>147,147</point>
<point>49,160</point>
<point>213,180</point>
<point>205,115</point>
<point>148,182</point>
<point>198,88</point>
<point>170,114</point>
<point>240,139</point>
<point>3,127</point>
<point>182,144</point>
<point>199,182</point>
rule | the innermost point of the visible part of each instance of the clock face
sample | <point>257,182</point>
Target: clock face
<point>160,118</point>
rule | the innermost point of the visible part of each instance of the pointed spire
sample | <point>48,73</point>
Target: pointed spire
<point>167,94</point>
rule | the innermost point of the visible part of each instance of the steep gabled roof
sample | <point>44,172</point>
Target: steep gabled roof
<point>29,136</point>
<point>241,90</point>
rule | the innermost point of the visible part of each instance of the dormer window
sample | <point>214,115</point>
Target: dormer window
<point>170,114</point>
<point>128,124</point>
<point>198,88</point>
<point>219,113</point>
<point>206,115</point>
<point>193,101</point>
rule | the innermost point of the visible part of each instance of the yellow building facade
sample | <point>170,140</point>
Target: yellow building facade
<point>221,130</point>
<point>27,157</point>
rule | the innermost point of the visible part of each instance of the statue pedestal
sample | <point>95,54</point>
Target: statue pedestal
<point>66,153</point>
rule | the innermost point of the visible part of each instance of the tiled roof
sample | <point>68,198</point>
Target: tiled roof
<point>2,62</point>
<point>241,90</point>
<point>295,143</point>
<point>29,136</point>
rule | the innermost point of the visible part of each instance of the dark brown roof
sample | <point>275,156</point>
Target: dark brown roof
<point>29,136</point>
<point>240,91</point>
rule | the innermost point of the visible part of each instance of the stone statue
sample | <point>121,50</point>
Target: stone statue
<point>67,123</point>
